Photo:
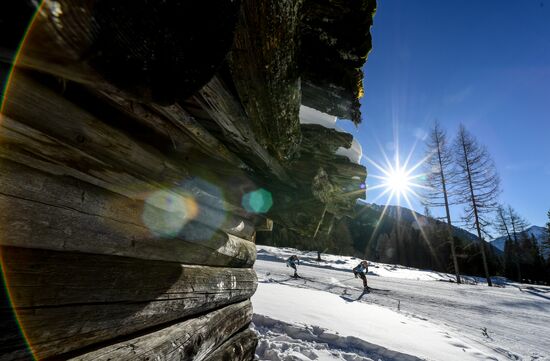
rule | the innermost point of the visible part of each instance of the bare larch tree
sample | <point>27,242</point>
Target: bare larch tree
<point>478,186</point>
<point>439,180</point>
<point>517,222</point>
<point>502,222</point>
<point>509,224</point>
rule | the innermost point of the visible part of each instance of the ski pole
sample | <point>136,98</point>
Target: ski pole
<point>347,279</point>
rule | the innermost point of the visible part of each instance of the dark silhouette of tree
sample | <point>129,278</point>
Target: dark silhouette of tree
<point>478,186</point>
<point>510,224</point>
<point>546,239</point>
<point>502,226</point>
<point>439,181</point>
<point>502,222</point>
<point>510,260</point>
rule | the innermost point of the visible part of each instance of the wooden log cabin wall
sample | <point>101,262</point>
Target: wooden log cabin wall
<point>143,144</point>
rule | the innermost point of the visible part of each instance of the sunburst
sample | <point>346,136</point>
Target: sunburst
<point>397,179</point>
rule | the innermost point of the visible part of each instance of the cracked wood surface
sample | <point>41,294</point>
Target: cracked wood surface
<point>264,68</point>
<point>218,102</point>
<point>25,182</point>
<point>239,347</point>
<point>192,339</point>
<point>66,300</point>
<point>51,212</point>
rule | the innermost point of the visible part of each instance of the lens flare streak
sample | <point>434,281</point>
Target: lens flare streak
<point>397,180</point>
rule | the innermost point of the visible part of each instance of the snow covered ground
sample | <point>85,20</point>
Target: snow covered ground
<point>410,314</point>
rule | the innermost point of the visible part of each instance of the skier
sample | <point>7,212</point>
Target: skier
<point>361,271</point>
<point>292,263</point>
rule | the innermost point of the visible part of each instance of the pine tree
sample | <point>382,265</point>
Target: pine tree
<point>439,180</point>
<point>510,259</point>
<point>538,260</point>
<point>478,186</point>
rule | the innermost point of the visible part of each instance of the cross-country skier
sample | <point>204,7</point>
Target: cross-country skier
<point>361,271</point>
<point>292,263</point>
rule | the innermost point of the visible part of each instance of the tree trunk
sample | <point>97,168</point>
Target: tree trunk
<point>448,214</point>
<point>478,228</point>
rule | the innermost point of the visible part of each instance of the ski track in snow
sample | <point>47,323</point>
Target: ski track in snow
<point>475,321</point>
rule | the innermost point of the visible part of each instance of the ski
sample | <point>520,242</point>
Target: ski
<point>303,278</point>
<point>349,298</point>
<point>377,290</point>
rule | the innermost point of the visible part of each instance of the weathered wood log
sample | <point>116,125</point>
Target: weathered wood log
<point>183,120</point>
<point>25,183</point>
<point>39,107</point>
<point>39,226</point>
<point>320,140</point>
<point>264,68</point>
<point>336,41</point>
<point>27,146</point>
<point>153,50</point>
<point>66,301</point>
<point>191,339</point>
<point>184,134</point>
<point>35,131</point>
<point>240,347</point>
<point>228,113</point>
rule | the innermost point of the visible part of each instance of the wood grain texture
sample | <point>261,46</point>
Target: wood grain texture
<point>204,140</point>
<point>240,347</point>
<point>34,225</point>
<point>225,109</point>
<point>39,107</point>
<point>264,67</point>
<point>66,300</point>
<point>65,192</point>
<point>36,131</point>
<point>191,339</point>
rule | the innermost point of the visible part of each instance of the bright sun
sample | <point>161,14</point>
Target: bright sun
<point>397,180</point>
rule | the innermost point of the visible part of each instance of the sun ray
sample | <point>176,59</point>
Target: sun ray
<point>378,176</point>
<point>386,191</point>
<point>378,166</point>
<point>378,186</point>
<point>387,160</point>
<point>380,218</point>
<point>396,177</point>
<point>406,163</point>
<point>418,164</point>
<point>423,233</point>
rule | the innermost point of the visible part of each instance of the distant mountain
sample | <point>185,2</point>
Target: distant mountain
<point>538,232</point>
<point>416,219</point>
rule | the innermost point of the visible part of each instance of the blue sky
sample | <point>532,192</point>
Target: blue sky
<point>483,63</point>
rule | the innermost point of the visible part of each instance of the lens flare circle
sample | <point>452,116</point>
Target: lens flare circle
<point>165,213</point>
<point>258,201</point>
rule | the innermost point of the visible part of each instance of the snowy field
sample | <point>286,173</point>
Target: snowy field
<point>410,315</point>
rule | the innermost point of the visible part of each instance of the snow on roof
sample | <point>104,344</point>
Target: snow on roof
<point>312,116</point>
<point>354,153</point>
